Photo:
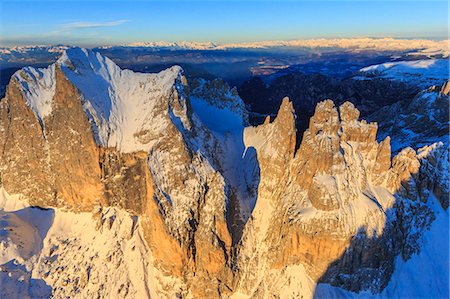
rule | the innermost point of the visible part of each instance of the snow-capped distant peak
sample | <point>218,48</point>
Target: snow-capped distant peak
<point>382,44</point>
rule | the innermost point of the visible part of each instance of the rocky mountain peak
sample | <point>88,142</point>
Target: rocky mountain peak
<point>274,141</point>
<point>119,103</point>
<point>286,112</point>
<point>340,187</point>
<point>325,120</point>
<point>348,112</point>
<point>100,135</point>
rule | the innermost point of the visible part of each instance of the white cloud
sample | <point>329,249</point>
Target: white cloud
<point>83,25</point>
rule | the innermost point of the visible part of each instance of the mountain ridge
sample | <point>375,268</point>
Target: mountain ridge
<point>220,211</point>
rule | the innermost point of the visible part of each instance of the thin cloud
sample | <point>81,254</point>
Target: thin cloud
<point>85,25</point>
<point>64,33</point>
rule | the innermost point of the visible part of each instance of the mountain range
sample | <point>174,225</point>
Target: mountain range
<point>119,184</point>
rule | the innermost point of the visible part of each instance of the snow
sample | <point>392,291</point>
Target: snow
<point>39,88</point>
<point>238,167</point>
<point>216,119</point>
<point>183,45</point>
<point>423,73</point>
<point>422,122</point>
<point>56,247</point>
<point>403,65</point>
<point>289,282</point>
<point>355,214</point>
<point>11,202</point>
<point>258,138</point>
<point>418,46</point>
<point>326,180</point>
<point>84,255</point>
<point>22,236</point>
<point>122,104</point>
<point>424,275</point>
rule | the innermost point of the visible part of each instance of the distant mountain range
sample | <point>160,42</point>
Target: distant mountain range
<point>382,44</point>
<point>422,46</point>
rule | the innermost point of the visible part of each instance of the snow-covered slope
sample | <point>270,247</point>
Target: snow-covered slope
<point>424,275</point>
<point>122,104</point>
<point>39,87</point>
<point>423,73</point>
<point>60,253</point>
<point>223,112</point>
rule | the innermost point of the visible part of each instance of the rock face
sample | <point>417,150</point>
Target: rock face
<point>220,209</point>
<point>59,157</point>
<point>338,207</point>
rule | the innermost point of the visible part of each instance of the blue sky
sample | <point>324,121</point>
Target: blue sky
<point>88,23</point>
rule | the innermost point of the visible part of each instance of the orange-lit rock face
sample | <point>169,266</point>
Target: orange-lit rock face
<point>301,248</point>
<point>72,150</point>
<point>275,144</point>
<point>23,156</point>
<point>60,165</point>
<point>319,149</point>
<point>168,256</point>
<point>57,155</point>
<point>129,185</point>
<point>125,177</point>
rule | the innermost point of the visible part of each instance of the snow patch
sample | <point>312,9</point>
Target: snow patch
<point>38,86</point>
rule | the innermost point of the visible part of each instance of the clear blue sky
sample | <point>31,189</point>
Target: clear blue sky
<point>88,23</point>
